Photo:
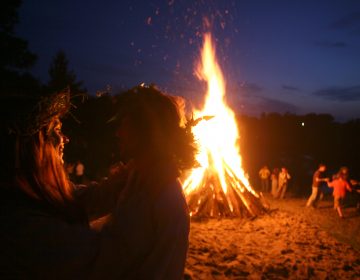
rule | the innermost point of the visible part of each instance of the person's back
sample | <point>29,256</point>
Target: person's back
<point>340,186</point>
<point>154,237</point>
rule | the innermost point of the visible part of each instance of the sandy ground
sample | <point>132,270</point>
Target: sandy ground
<point>291,242</point>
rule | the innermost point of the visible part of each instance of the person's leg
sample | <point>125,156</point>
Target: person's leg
<point>273,189</point>
<point>339,212</point>
<point>278,193</point>
<point>337,206</point>
<point>312,197</point>
<point>283,191</point>
<point>319,196</point>
<point>266,185</point>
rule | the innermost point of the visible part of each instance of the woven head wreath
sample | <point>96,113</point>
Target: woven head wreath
<point>25,116</point>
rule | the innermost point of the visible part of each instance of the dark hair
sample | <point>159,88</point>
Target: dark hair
<point>156,119</point>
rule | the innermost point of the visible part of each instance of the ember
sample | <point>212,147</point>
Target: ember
<point>219,187</point>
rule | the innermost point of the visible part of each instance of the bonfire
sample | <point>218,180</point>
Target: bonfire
<point>219,187</point>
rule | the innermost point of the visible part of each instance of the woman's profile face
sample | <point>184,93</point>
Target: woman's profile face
<point>58,139</point>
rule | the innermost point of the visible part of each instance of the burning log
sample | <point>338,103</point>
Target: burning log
<point>219,187</point>
<point>210,200</point>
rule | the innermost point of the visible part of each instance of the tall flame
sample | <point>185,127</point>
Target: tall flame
<point>216,132</point>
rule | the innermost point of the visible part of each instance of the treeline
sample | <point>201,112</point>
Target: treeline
<point>16,61</point>
<point>299,143</point>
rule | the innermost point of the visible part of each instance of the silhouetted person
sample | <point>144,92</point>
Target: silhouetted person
<point>69,167</point>
<point>354,184</point>
<point>264,174</point>
<point>316,180</point>
<point>284,178</point>
<point>340,186</point>
<point>274,182</point>
<point>79,172</point>
<point>153,220</point>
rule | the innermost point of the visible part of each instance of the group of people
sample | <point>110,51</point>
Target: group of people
<point>45,231</point>
<point>341,184</point>
<point>279,181</point>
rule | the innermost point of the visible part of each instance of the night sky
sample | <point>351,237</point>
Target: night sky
<point>277,56</point>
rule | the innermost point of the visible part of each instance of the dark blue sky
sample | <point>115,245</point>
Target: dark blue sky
<point>296,56</point>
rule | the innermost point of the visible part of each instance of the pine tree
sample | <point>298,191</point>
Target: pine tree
<point>61,77</point>
<point>15,58</point>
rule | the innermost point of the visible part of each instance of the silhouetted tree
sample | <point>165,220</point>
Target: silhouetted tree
<point>61,77</point>
<point>15,58</point>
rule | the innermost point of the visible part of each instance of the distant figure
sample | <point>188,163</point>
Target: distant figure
<point>79,172</point>
<point>284,177</point>
<point>317,179</point>
<point>264,174</point>
<point>274,182</point>
<point>354,184</point>
<point>70,168</point>
<point>340,186</point>
<point>356,188</point>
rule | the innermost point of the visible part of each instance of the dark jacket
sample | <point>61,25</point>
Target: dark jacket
<point>149,237</point>
<point>38,242</point>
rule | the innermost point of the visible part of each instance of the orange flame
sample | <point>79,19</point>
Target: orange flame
<point>217,132</point>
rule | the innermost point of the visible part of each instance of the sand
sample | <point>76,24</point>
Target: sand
<point>291,242</point>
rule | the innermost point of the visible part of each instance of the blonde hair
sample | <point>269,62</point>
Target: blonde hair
<point>39,171</point>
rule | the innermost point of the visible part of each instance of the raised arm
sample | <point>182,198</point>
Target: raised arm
<point>348,187</point>
<point>99,198</point>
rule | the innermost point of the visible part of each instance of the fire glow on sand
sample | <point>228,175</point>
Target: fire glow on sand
<point>219,186</point>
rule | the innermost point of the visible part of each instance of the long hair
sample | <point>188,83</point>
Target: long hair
<point>157,122</point>
<point>34,167</point>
